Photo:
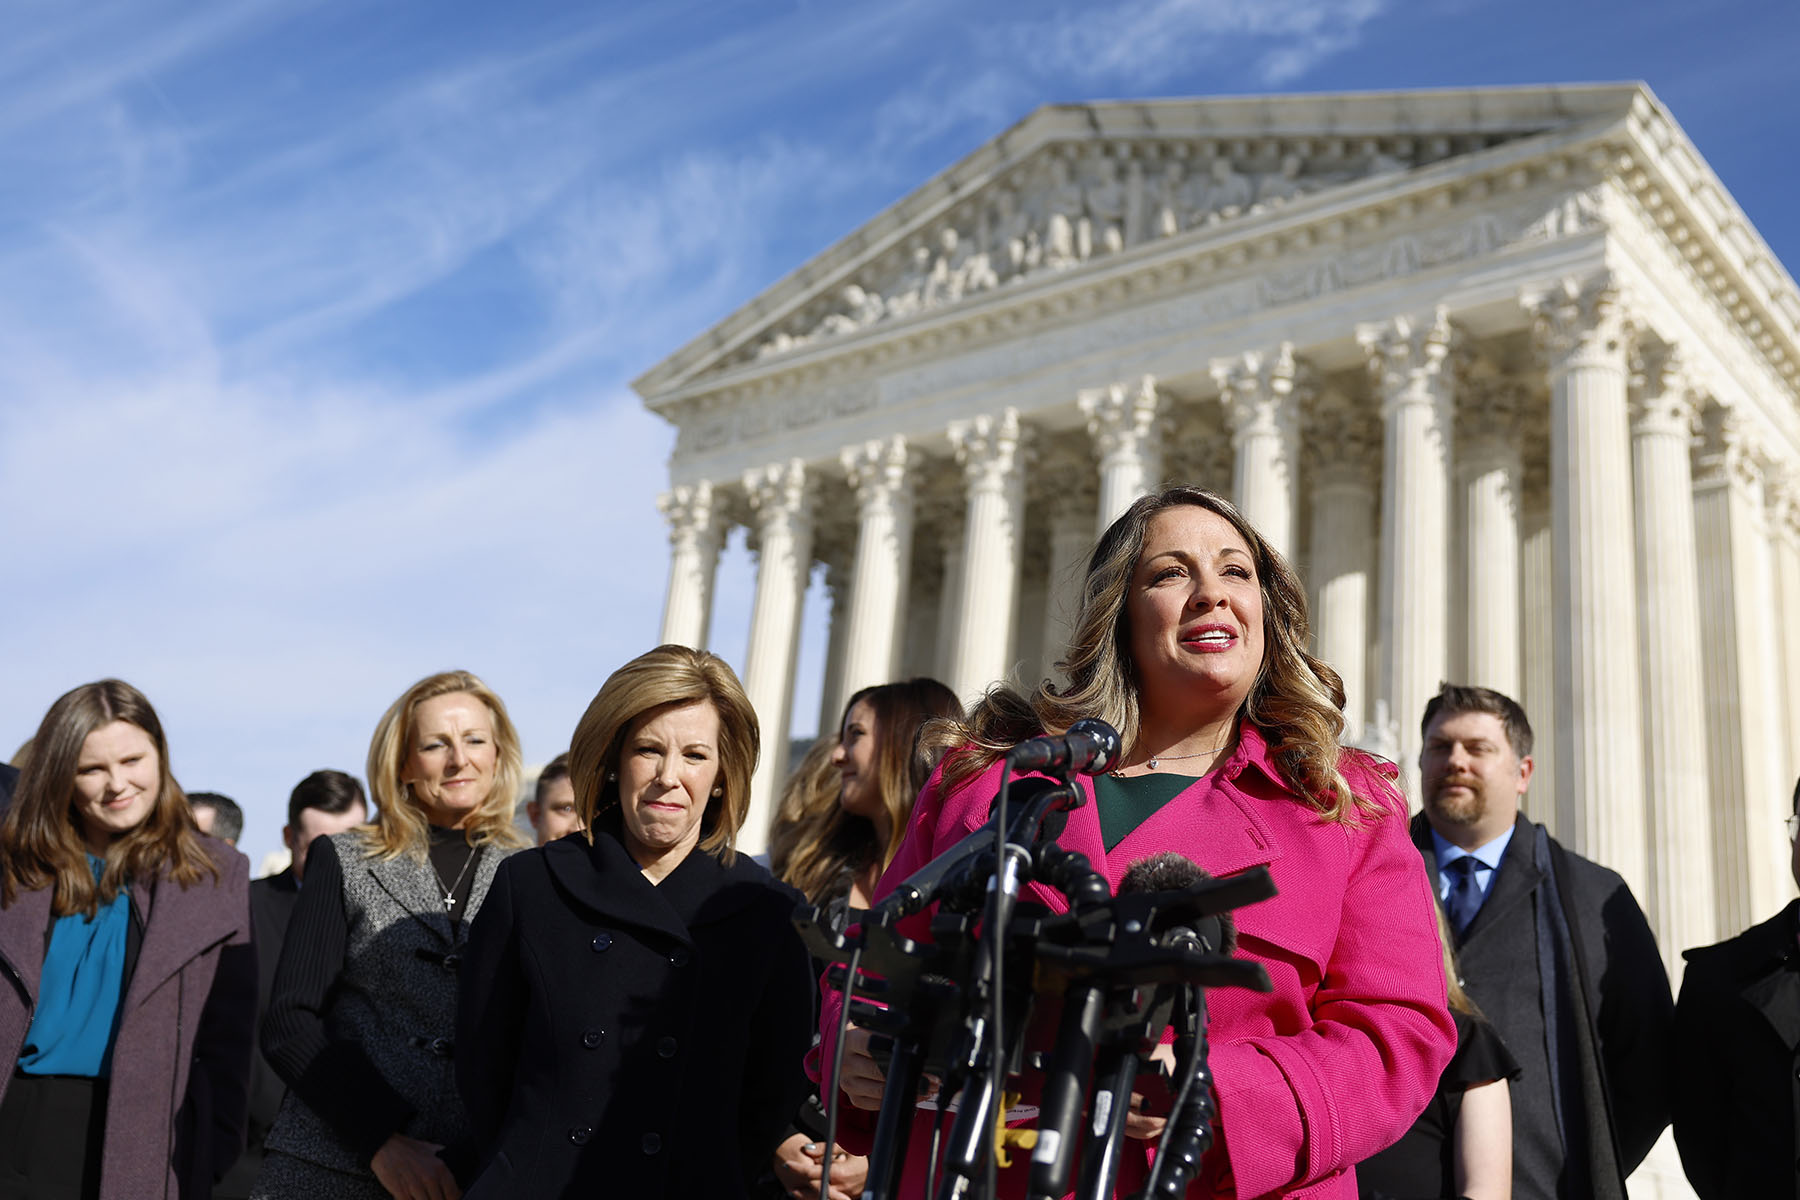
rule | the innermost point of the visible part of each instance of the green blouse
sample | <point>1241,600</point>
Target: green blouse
<point>1124,804</point>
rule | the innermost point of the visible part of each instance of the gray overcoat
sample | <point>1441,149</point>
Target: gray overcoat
<point>181,1059</point>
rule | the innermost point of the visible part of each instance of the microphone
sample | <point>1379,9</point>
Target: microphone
<point>1173,872</point>
<point>1090,747</point>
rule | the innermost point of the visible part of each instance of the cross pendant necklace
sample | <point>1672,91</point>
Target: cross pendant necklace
<point>450,892</point>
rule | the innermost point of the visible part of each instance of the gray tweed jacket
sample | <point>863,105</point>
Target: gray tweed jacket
<point>396,999</point>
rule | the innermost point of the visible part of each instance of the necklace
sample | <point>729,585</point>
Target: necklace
<point>1157,758</point>
<point>450,892</point>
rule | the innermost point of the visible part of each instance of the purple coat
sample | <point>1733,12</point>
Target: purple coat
<point>181,1061</point>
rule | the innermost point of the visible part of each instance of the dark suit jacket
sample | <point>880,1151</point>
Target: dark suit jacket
<point>1737,1054</point>
<point>271,903</point>
<point>181,1057</point>
<point>1627,999</point>
<point>9,779</point>
<point>618,1038</point>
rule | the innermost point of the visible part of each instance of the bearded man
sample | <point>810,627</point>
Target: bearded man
<point>1553,948</point>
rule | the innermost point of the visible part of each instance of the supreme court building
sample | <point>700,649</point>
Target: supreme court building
<point>1505,372</point>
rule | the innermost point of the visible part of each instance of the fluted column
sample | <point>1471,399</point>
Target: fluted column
<point>1071,539</point>
<point>884,523</point>
<point>990,452</point>
<point>696,535</point>
<point>1262,397</point>
<point>1488,468</point>
<point>837,630</point>
<point>1736,594</point>
<point>1121,418</point>
<point>1348,439</point>
<point>1784,519</point>
<point>782,505</point>
<point>1600,776</point>
<point>1408,361</point>
<point>1680,898</point>
<point>1537,623</point>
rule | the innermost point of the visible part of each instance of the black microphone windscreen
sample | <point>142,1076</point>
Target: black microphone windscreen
<point>1165,872</point>
<point>1171,871</point>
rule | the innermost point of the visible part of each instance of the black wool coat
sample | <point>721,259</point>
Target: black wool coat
<point>1737,1061</point>
<point>621,1038</point>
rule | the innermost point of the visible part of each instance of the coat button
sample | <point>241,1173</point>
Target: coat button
<point>681,957</point>
<point>592,1038</point>
<point>581,1134</point>
<point>652,1143</point>
<point>602,941</point>
<point>665,1048</point>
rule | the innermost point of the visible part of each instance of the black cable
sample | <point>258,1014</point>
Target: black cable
<point>837,1075</point>
<point>997,939</point>
<point>937,1135</point>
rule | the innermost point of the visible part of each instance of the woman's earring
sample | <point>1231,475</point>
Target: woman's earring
<point>612,777</point>
<point>719,791</point>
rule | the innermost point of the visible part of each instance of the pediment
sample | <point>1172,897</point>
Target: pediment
<point>1072,186</point>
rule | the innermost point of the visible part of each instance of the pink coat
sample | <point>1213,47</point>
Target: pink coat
<point>1344,1054</point>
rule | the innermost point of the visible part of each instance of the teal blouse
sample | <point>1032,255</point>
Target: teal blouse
<point>1124,804</point>
<point>79,992</point>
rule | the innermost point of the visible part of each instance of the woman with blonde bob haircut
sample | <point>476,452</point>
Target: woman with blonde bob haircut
<point>131,1070</point>
<point>1191,641</point>
<point>634,1007</point>
<point>364,1000</point>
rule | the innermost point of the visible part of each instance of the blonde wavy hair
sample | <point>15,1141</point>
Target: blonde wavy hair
<point>1296,701</point>
<point>669,676</point>
<point>400,826</point>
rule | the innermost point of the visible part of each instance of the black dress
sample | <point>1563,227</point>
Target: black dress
<point>1421,1165</point>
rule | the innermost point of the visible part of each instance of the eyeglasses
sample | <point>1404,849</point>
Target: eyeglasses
<point>1793,826</point>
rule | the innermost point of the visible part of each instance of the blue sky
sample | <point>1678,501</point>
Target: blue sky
<point>317,319</point>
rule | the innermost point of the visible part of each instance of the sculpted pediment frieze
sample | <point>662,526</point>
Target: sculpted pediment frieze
<point>1071,204</point>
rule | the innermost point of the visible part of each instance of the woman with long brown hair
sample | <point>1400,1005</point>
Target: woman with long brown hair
<point>1191,642</point>
<point>126,934</point>
<point>363,1009</point>
<point>879,766</point>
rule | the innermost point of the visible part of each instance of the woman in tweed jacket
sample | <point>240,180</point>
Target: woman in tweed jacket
<point>361,1017</point>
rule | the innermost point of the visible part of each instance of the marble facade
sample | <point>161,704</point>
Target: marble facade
<point>1505,372</point>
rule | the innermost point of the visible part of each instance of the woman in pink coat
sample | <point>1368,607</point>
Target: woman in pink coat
<point>1191,642</point>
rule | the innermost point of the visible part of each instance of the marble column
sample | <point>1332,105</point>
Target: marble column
<point>832,692</point>
<point>1261,393</point>
<point>1749,799</point>
<point>884,516</point>
<point>1537,618</point>
<point>1678,812</point>
<point>1343,545</point>
<point>1488,468</point>
<point>783,523</point>
<point>1408,361</point>
<point>990,451</point>
<point>1071,541</point>
<point>1121,418</point>
<point>1784,519</point>
<point>696,535</point>
<point>1600,774</point>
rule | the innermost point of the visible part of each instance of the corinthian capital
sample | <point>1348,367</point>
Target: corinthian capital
<point>1665,399</point>
<point>990,448</point>
<point>1343,440</point>
<point>876,469</point>
<point>1579,321</point>
<point>1489,407</point>
<point>695,521</point>
<point>1730,451</point>
<point>1409,358</point>
<point>1121,415</point>
<point>779,495</point>
<point>1262,391</point>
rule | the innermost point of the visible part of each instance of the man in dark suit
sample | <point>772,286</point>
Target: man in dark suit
<point>1737,1057</point>
<point>324,802</point>
<point>1555,951</point>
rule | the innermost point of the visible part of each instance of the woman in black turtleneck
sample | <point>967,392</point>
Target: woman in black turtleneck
<point>364,1002</point>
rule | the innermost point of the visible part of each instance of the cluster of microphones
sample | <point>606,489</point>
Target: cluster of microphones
<point>1011,1004</point>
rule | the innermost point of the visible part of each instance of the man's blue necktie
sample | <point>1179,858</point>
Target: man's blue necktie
<point>1464,899</point>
